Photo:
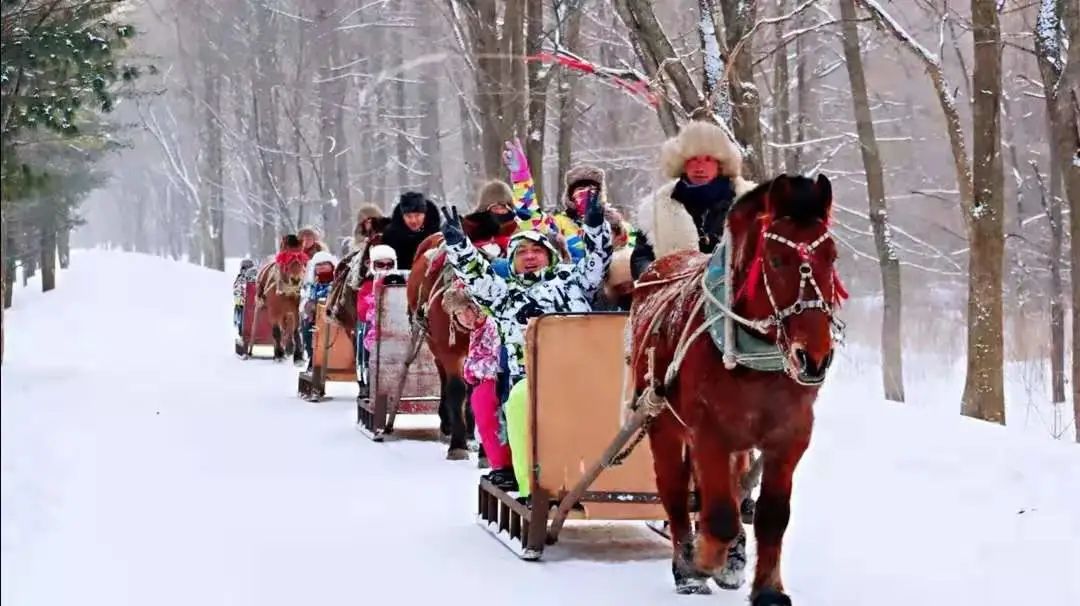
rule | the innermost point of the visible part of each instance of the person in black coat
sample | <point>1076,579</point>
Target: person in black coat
<point>414,218</point>
<point>703,166</point>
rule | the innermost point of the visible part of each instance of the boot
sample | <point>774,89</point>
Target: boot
<point>504,479</point>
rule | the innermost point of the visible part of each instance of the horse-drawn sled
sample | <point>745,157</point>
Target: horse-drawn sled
<point>255,327</point>
<point>333,358</point>
<point>577,369</point>
<point>402,376</point>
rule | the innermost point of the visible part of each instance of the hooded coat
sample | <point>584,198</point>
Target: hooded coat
<point>512,301</point>
<point>403,240</point>
<point>680,216</point>
<point>311,290</point>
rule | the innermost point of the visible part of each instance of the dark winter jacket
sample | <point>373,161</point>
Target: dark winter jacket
<point>403,240</point>
<point>707,206</point>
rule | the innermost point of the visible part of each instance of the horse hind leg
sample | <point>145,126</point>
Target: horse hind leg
<point>770,522</point>
<point>673,483</point>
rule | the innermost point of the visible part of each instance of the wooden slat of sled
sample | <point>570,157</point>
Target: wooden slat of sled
<point>577,363</point>
<point>339,359</point>
<point>391,349</point>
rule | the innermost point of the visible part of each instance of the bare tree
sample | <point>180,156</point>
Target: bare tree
<point>892,365</point>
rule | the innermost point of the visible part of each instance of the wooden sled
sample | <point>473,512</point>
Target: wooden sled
<point>420,388</point>
<point>255,327</point>
<point>576,365</point>
<point>333,357</point>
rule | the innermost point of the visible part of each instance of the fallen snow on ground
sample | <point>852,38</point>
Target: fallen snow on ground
<point>144,464</point>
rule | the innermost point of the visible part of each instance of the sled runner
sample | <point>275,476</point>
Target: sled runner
<point>576,365</point>
<point>255,327</point>
<point>333,358</point>
<point>396,343</point>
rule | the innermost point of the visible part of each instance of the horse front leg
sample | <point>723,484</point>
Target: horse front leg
<point>297,350</point>
<point>673,483</point>
<point>445,426</point>
<point>279,350</point>
<point>720,531</point>
<point>770,522</point>
<point>456,391</point>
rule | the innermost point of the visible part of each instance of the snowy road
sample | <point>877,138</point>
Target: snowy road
<point>143,464</point>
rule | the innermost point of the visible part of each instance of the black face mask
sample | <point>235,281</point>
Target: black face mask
<point>504,218</point>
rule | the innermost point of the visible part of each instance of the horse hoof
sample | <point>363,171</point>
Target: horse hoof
<point>482,463</point>
<point>770,597</point>
<point>457,454</point>
<point>693,586</point>
<point>733,574</point>
<point>746,510</point>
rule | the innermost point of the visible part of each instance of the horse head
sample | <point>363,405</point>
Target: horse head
<point>291,266</point>
<point>784,261</point>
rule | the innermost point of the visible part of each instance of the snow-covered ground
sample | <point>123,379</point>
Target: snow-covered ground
<point>143,464</point>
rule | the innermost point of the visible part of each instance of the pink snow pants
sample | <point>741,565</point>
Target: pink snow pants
<point>485,405</point>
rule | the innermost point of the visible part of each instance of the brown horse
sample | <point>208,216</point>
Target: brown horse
<point>447,340</point>
<point>278,293</point>
<point>779,270</point>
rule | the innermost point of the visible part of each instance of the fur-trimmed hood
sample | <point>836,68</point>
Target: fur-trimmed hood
<point>699,138</point>
<point>665,222</point>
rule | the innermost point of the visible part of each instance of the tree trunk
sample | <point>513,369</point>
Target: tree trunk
<point>431,137</point>
<point>892,366</point>
<point>48,255</point>
<point>804,92</point>
<point>5,272</point>
<point>567,98</point>
<point>538,79</point>
<point>984,391</point>
<point>266,73</point>
<point>746,101</point>
<point>401,124</point>
<point>782,111</point>
<point>1067,140</point>
<point>491,69</point>
<point>63,245</point>
<point>29,259</point>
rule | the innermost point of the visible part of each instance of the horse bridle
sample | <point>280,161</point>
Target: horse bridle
<point>806,278</point>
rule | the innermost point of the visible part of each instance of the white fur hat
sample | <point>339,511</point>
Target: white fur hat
<point>699,138</point>
<point>381,252</point>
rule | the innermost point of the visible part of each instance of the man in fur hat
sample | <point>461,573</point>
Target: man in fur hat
<point>688,213</point>
<point>414,218</point>
<point>310,241</point>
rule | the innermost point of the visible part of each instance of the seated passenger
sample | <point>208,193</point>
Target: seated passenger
<point>538,284</point>
<point>239,288</point>
<point>320,273</point>
<point>381,261</point>
<point>481,373</point>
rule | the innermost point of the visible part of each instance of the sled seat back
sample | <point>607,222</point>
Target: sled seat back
<point>577,368</point>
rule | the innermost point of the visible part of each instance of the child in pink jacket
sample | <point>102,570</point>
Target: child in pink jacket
<point>481,369</point>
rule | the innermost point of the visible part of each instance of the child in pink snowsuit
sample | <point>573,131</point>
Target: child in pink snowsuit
<point>481,369</point>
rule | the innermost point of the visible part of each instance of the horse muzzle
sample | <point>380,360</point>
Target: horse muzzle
<point>804,369</point>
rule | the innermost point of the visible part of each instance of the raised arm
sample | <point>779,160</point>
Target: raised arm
<point>481,281</point>
<point>589,271</point>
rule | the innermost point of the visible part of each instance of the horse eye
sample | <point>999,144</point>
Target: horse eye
<point>776,262</point>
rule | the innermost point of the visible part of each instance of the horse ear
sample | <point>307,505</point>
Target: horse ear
<point>779,191</point>
<point>824,191</point>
